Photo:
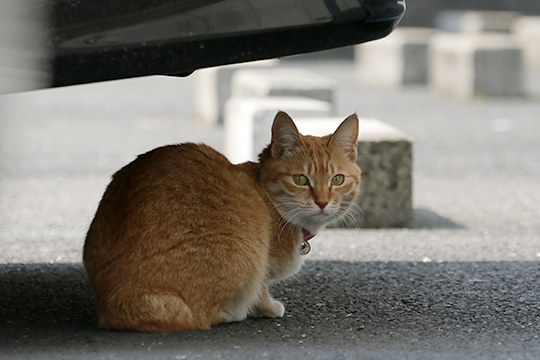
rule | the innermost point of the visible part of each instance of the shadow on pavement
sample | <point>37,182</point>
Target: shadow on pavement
<point>331,307</point>
<point>426,218</point>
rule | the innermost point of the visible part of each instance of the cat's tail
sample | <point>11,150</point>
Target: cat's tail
<point>156,312</point>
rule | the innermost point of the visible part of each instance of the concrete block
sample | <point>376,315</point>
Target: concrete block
<point>527,32</point>
<point>467,65</point>
<point>282,82</point>
<point>248,122</point>
<point>213,88</point>
<point>475,21</point>
<point>397,60</point>
<point>385,158</point>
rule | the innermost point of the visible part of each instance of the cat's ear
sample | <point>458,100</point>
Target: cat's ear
<point>285,135</point>
<point>345,137</point>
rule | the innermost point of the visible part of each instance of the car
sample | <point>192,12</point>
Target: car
<point>84,41</point>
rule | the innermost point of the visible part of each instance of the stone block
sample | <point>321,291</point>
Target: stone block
<point>282,82</point>
<point>397,60</point>
<point>475,21</point>
<point>248,122</point>
<point>213,88</point>
<point>385,158</point>
<point>527,32</point>
<point>483,64</point>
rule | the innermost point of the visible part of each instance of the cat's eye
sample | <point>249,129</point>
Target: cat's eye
<point>300,180</point>
<point>338,179</point>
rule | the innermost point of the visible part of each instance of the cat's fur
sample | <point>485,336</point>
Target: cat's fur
<point>183,239</point>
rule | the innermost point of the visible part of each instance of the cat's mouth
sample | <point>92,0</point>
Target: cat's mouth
<point>322,216</point>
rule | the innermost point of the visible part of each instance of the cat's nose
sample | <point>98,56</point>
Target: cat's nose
<point>321,204</point>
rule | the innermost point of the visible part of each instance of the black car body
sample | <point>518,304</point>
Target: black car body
<point>95,40</point>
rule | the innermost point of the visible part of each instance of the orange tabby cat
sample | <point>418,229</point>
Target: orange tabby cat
<point>183,239</point>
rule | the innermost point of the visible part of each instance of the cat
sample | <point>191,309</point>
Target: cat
<point>183,239</point>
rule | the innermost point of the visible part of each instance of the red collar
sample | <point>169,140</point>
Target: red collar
<point>307,235</point>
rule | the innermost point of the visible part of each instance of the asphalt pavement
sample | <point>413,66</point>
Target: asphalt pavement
<point>462,282</point>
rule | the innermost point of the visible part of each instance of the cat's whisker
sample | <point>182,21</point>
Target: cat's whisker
<point>284,214</point>
<point>281,228</point>
<point>350,214</point>
<point>291,216</point>
<point>350,221</point>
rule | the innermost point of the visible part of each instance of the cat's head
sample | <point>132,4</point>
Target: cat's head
<point>312,181</point>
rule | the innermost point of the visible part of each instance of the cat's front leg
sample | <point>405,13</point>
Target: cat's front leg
<point>268,306</point>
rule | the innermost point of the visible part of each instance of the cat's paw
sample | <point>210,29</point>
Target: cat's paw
<point>278,309</point>
<point>226,316</point>
<point>271,308</point>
